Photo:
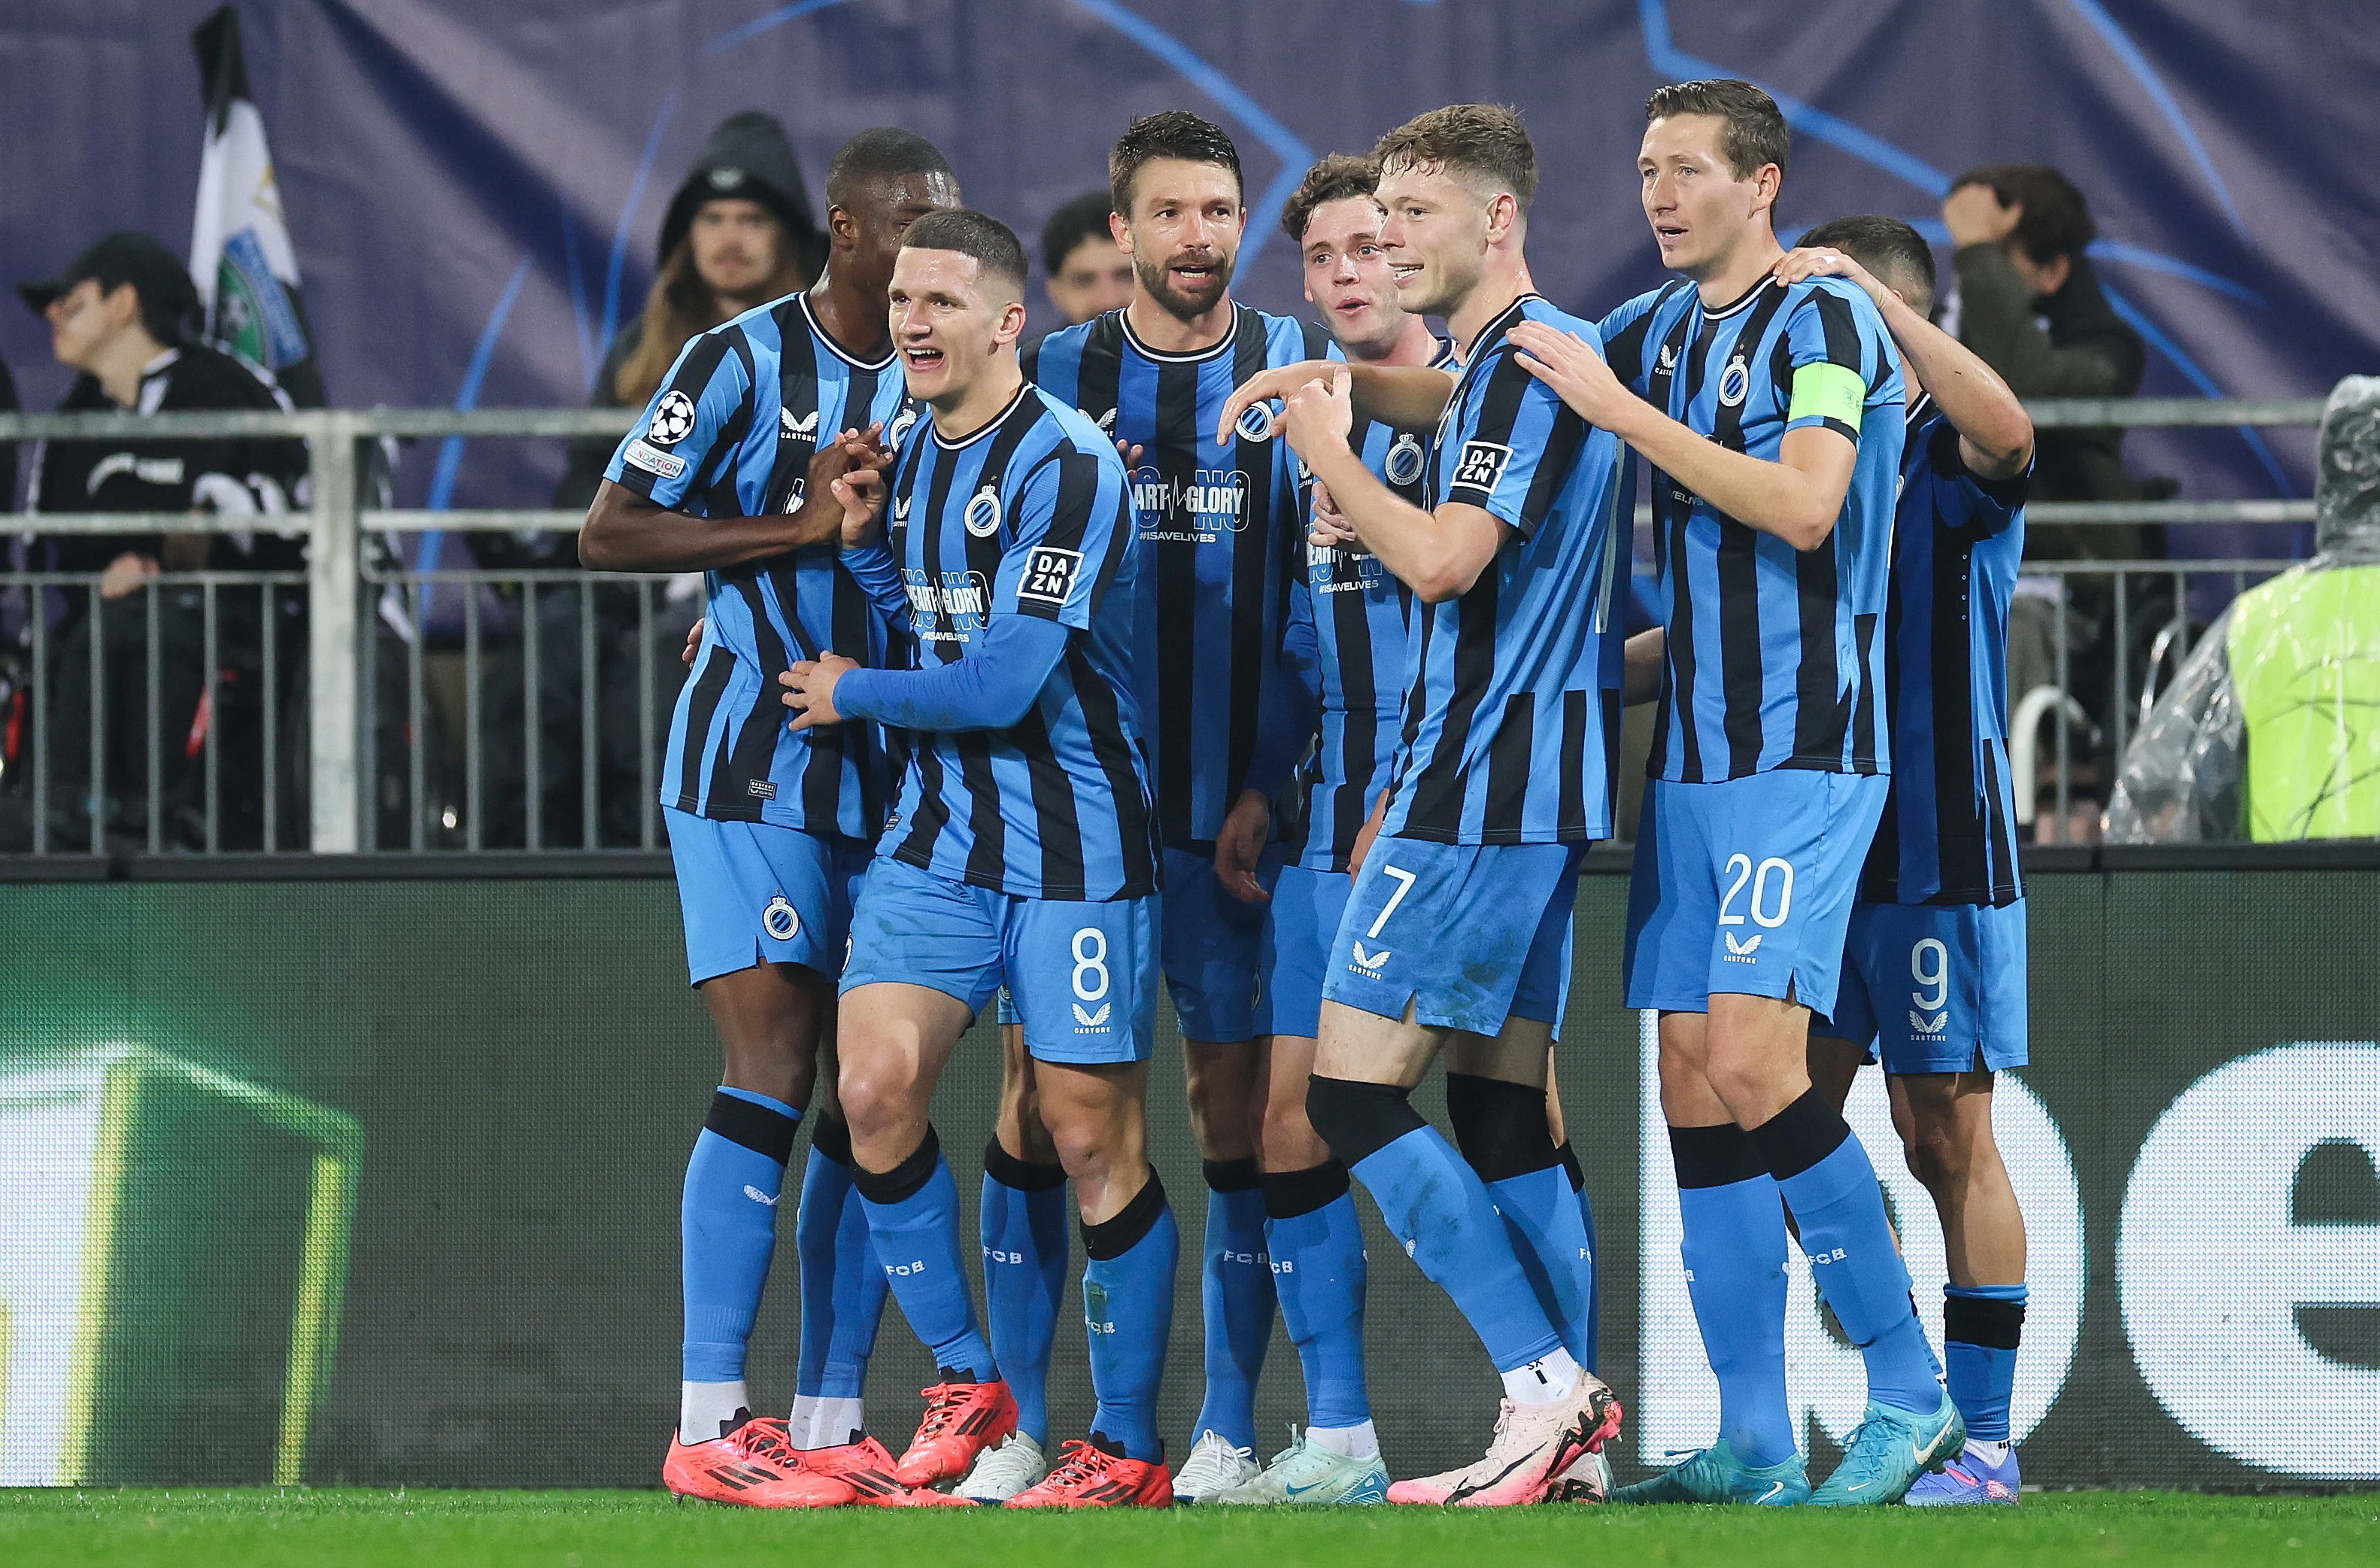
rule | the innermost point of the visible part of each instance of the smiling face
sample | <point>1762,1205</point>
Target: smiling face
<point>1348,277</point>
<point>1435,231</point>
<point>950,323</point>
<point>1702,213</point>
<point>1182,233</point>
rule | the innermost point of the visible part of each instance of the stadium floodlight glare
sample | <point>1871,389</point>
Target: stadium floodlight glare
<point>145,1200</point>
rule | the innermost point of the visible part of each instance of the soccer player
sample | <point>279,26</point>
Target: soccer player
<point>1348,625</point>
<point>1221,521</point>
<point>1940,914</point>
<point>1021,851</point>
<point>727,473</point>
<point>1089,274</point>
<point>1455,940</point>
<point>1772,415</point>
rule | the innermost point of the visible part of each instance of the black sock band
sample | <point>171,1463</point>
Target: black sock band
<point>1799,1136</point>
<point>831,1136</point>
<point>1500,1126</point>
<point>1359,1120</point>
<point>1714,1157</point>
<point>1113,1238</point>
<point>1569,1158</point>
<point>1233,1176</point>
<point>905,1180</point>
<point>1979,1321</point>
<point>1025,1175</point>
<point>756,1127</point>
<point>1289,1194</point>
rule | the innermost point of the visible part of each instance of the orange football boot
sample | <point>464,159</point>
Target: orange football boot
<point>1097,1474</point>
<point>862,1473</point>
<point>750,1467</point>
<point>961,1421</point>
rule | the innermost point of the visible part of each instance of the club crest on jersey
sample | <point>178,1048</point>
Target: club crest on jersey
<point>1255,422</point>
<point>1483,464</point>
<point>950,608</point>
<point>793,429</point>
<point>780,920</point>
<point>1403,463</point>
<point>1049,575</point>
<point>672,420</point>
<point>1734,382</point>
<point>982,515</point>
<point>902,424</point>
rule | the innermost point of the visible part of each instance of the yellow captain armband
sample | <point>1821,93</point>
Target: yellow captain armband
<point>1826,391</point>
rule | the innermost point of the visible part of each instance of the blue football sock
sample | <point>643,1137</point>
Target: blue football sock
<point>1317,1244</point>
<point>1830,1186</point>
<point>1128,1312</point>
<point>1732,1243</point>
<point>1541,1216</point>
<point>1593,1258</point>
<point>1435,1204</point>
<point>913,1217</point>
<point>842,1285</point>
<point>1024,1246</point>
<point>1237,1289</point>
<point>727,1226</point>
<point>1980,1326</point>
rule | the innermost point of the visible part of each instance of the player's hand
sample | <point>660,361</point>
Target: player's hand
<point>1318,416</point>
<point>1270,386</point>
<point>1130,452</point>
<point>694,642</point>
<point>809,690</point>
<point>1821,262</point>
<point>1364,835</point>
<point>1576,373</point>
<point>1330,529</point>
<point>1247,827</point>
<point>1974,216</point>
<point>861,494</point>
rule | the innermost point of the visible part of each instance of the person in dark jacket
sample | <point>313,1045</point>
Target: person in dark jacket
<point>124,314</point>
<point>2030,306</point>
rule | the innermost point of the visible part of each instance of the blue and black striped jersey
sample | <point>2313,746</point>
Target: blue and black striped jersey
<point>1948,833</point>
<point>1030,515</point>
<point>1512,709</point>
<point>1221,529</point>
<point>1775,656</point>
<point>1351,624</point>
<point>730,434</point>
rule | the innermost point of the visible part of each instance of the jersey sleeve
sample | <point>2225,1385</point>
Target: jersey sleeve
<point>1072,529</point>
<point>1986,508</point>
<point>702,411</point>
<point>1513,432</point>
<point>872,567</point>
<point>1842,363</point>
<point>1622,333</point>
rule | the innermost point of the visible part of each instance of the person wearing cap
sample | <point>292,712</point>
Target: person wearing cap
<point>124,315</point>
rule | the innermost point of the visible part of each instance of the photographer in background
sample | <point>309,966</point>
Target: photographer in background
<point>2029,305</point>
<point>124,314</point>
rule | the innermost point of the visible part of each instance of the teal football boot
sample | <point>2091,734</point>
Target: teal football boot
<point>1716,1475</point>
<point>1888,1451</point>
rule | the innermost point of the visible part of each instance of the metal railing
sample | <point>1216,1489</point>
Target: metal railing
<point>340,771</point>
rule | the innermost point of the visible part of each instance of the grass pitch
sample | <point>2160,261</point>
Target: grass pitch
<point>342,1527</point>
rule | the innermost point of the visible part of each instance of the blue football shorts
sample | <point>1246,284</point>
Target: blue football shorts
<point>1083,975</point>
<point>1300,925</point>
<point>1745,887</point>
<point>1211,945</point>
<point>755,892</point>
<point>1934,988</point>
<point>1470,935</point>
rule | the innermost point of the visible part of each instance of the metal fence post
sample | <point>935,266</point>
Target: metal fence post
<point>331,591</point>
